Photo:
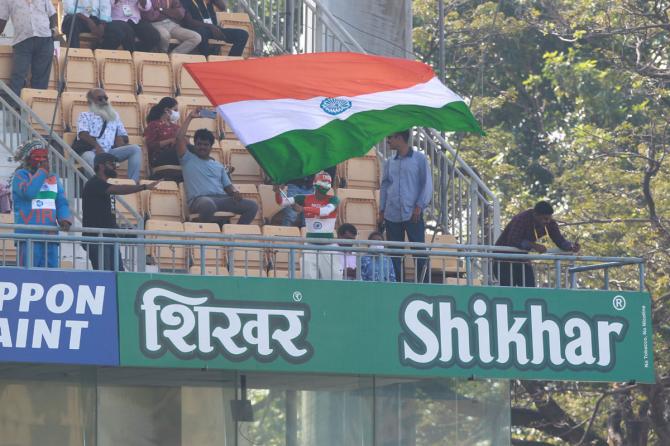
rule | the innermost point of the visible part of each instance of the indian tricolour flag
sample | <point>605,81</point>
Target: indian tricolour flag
<point>299,114</point>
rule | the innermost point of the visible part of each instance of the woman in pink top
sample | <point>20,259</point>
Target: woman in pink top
<point>159,136</point>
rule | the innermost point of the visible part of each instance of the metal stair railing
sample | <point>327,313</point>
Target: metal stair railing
<point>462,204</point>
<point>17,126</point>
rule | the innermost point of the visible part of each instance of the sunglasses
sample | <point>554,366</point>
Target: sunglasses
<point>101,98</point>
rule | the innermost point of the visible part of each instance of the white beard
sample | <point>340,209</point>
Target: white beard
<point>106,112</point>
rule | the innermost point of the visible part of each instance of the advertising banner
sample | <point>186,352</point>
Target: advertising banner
<point>58,317</point>
<point>385,329</point>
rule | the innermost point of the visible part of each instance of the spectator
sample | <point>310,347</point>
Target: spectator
<point>524,231</point>
<point>208,187</point>
<point>33,47</point>
<point>201,17</point>
<point>5,197</point>
<point>377,267</point>
<point>349,232</point>
<point>99,209</point>
<point>165,16</point>
<point>38,200</point>
<point>103,121</point>
<point>406,190</point>
<point>300,186</point>
<point>320,214</point>
<point>160,137</point>
<point>126,14</point>
<point>95,17</point>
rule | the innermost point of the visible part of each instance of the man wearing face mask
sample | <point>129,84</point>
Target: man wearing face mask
<point>38,200</point>
<point>99,210</point>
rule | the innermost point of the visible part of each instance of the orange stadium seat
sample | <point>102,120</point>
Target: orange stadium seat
<point>146,101</point>
<point>244,261</point>
<point>154,73</point>
<point>6,54</point>
<point>116,71</point>
<point>188,103</point>
<point>8,255</point>
<point>442,265</point>
<point>213,256</point>
<point>247,170</point>
<point>361,172</point>
<point>215,58</point>
<point>164,202</point>
<point>218,154</point>
<point>280,258</point>
<point>209,271</point>
<point>81,73</point>
<point>73,102</point>
<point>358,207</point>
<point>54,75</point>
<point>250,192</point>
<point>122,166</point>
<point>129,111</point>
<point>237,20</point>
<point>168,257</point>
<point>133,200</point>
<point>219,216</point>
<point>43,102</point>
<point>184,83</point>
<point>269,206</point>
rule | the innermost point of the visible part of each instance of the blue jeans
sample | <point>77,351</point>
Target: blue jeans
<point>132,153</point>
<point>289,215</point>
<point>395,232</point>
<point>34,54</point>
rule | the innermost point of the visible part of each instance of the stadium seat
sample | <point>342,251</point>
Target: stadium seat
<point>81,72</point>
<point>134,200</point>
<point>8,254</point>
<point>184,83</point>
<point>247,170</point>
<point>209,271</point>
<point>168,257</point>
<point>269,206</point>
<point>116,71</point>
<point>244,261</point>
<point>154,73</point>
<point>214,256</point>
<point>237,20</point>
<point>222,217</point>
<point>361,172</point>
<point>129,111</point>
<point>43,102</point>
<point>73,102</point>
<point>279,258</point>
<point>164,202</point>
<point>358,207</point>
<point>225,130</point>
<point>218,154</point>
<point>441,266</point>
<point>188,103</point>
<point>54,75</point>
<point>6,53</point>
<point>146,101</point>
<point>250,192</point>
<point>461,281</point>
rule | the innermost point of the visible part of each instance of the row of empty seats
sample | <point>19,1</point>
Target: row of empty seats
<point>119,71</point>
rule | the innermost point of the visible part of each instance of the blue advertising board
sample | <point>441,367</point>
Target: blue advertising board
<point>62,317</point>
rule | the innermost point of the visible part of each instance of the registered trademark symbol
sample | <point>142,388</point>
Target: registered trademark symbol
<point>297,296</point>
<point>619,303</point>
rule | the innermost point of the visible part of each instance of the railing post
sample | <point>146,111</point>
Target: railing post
<point>290,7</point>
<point>558,274</point>
<point>607,278</point>
<point>291,263</point>
<point>641,272</point>
<point>473,227</point>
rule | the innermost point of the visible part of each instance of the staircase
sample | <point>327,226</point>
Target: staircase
<point>462,204</point>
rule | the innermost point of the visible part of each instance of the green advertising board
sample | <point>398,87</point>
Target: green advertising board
<point>384,329</point>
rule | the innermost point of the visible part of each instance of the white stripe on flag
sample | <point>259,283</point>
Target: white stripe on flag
<point>255,121</point>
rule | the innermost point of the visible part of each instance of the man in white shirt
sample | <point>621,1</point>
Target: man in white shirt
<point>101,129</point>
<point>33,47</point>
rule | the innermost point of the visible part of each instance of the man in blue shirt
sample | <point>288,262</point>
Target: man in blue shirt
<point>406,190</point>
<point>208,187</point>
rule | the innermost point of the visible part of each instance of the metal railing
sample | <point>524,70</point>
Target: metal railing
<point>287,257</point>
<point>19,123</point>
<point>462,204</point>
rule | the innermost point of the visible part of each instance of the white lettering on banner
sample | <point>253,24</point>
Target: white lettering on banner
<point>197,325</point>
<point>57,299</point>
<point>435,333</point>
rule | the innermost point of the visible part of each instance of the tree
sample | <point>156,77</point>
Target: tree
<point>574,97</point>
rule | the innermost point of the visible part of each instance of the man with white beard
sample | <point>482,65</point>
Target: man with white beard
<point>102,131</point>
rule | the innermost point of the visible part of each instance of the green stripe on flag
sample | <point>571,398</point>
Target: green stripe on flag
<point>298,153</point>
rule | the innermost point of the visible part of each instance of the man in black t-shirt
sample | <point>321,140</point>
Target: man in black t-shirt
<point>201,18</point>
<point>99,209</point>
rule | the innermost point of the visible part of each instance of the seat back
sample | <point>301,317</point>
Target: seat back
<point>43,102</point>
<point>129,111</point>
<point>168,257</point>
<point>154,73</point>
<point>116,71</point>
<point>250,192</point>
<point>244,261</point>
<point>280,258</point>
<point>165,202</point>
<point>8,255</point>
<point>81,72</point>
<point>74,102</point>
<point>188,103</point>
<point>54,75</point>
<point>361,213</point>
<point>122,166</point>
<point>269,206</point>
<point>133,200</point>
<point>238,20</point>
<point>213,256</point>
<point>184,83</point>
<point>361,172</point>
<point>247,170</point>
<point>6,62</point>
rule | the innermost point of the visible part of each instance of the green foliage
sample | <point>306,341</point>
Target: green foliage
<point>573,95</point>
